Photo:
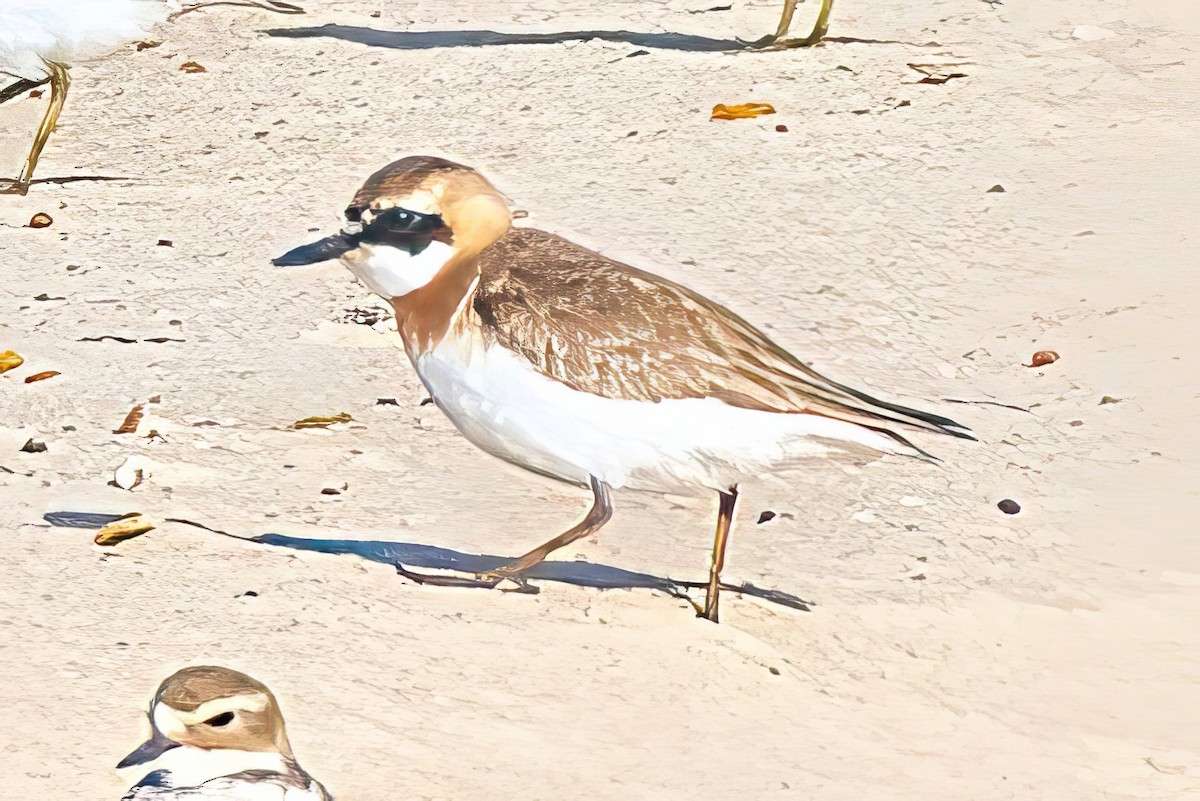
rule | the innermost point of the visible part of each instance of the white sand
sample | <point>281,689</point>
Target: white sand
<point>1050,655</point>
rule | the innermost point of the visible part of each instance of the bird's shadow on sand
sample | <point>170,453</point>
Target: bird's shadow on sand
<point>427,40</point>
<point>408,555</point>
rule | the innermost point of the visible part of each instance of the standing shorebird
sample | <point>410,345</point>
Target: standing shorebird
<point>218,734</point>
<point>578,367</point>
<point>40,39</point>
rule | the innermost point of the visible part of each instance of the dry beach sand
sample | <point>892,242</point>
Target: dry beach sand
<point>952,652</point>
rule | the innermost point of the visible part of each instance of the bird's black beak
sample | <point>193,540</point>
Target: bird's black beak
<point>331,247</point>
<point>148,751</point>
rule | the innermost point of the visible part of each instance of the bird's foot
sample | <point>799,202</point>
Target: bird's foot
<point>502,577</point>
<point>10,187</point>
<point>483,581</point>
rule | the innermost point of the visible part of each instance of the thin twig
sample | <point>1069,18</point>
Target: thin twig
<point>270,5</point>
<point>988,403</point>
<point>20,88</point>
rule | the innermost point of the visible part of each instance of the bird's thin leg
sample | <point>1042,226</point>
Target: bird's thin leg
<point>60,81</point>
<point>597,516</point>
<point>819,29</point>
<point>724,523</point>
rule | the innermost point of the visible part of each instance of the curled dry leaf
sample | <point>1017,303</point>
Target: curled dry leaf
<point>742,111</point>
<point>9,360</point>
<point>40,220</point>
<point>129,426</point>
<point>192,67</point>
<point>1042,358</point>
<point>123,529</point>
<point>147,44</point>
<point>42,376</point>
<point>322,422</point>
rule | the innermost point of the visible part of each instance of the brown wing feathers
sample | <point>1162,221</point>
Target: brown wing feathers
<point>609,329</point>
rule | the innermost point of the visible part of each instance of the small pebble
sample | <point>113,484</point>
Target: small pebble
<point>1009,506</point>
<point>33,447</point>
<point>766,517</point>
<point>781,128</point>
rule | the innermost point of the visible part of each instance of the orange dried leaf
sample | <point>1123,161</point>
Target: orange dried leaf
<point>743,111</point>
<point>322,422</point>
<point>126,528</point>
<point>9,360</point>
<point>1042,358</point>
<point>41,220</point>
<point>131,421</point>
<point>42,376</point>
<point>192,66</point>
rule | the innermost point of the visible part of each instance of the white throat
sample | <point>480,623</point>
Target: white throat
<point>392,272</point>
<point>190,766</point>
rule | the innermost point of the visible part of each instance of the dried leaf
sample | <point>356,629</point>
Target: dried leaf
<point>9,360</point>
<point>322,422</point>
<point>741,112</point>
<point>131,421</point>
<point>1107,399</point>
<point>146,44</point>
<point>126,528</point>
<point>40,220</point>
<point>192,67</point>
<point>938,74</point>
<point>1042,358</point>
<point>42,376</point>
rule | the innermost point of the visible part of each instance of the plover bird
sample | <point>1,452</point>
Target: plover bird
<point>40,39</point>
<point>218,734</point>
<point>569,364</point>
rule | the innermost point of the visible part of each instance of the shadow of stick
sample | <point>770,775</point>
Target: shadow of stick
<point>427,40</point>
<point>402,555</point>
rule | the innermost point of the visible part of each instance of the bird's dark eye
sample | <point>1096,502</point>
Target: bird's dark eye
<point>223,719</point>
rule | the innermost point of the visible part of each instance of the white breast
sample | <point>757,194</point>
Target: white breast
<point>506,407</point>
<point>70,30</point>
<point>393,272</point>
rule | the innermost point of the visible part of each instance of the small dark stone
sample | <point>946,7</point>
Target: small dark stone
<point>918,577</point>
<point>33,447</point>
<point>766,517</point>
<point>386,402</point>
<point>1009,506</point>
<point>166,243</point>
<point>996,188</point>
<point>331,491</point>
<point>248,593</point>
<point>781,128</point>
<point>427,401</point>
<point>774,671</point>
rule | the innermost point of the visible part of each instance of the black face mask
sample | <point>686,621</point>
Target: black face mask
<point>398,228</point>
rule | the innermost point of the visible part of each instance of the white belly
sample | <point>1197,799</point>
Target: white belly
<point>506,407</point>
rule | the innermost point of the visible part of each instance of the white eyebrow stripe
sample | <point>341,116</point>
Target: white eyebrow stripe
<point>255,702</point>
